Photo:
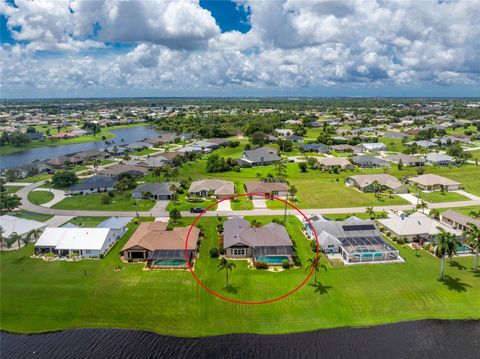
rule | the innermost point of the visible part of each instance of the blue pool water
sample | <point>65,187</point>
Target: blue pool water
<point>276,260</point>
<point>170,262</point>
<point>464,249</point>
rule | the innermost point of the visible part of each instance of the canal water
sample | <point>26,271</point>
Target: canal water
<point>419,339</point>
<point>129,135</point>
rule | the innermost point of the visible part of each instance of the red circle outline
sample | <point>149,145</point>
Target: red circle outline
<point>248,302</point>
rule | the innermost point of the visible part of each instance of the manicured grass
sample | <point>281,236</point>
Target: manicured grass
<point>434,197</point>
<point>240,203</point>
<point>29,215</point>
<point>146,151</point>
<point>183,205</point>
<point>6,150</point>
<point>36,178</point>
<point>464,210</point>
<point>40,197</point>
<point>87,221</point>
<point>475,155</point>
<point>393,145</point>
<point>60,295</point>
<point>13,189</point>
<point>120,202</point>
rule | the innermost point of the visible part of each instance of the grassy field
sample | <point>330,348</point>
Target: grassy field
<point>40,197</point>
<point>464,210</point>
<point>120,202</point>
<point>35,216</point>
<point>393,145</point>
<point>36,178</point>
<point>240,203</point>
<point>6,150</point>
<point>146,151</point>
<point>87,221</point>
<point>13,189</point>
<point>434,197</point>
<point>183,205</point>
<point>44,296</point>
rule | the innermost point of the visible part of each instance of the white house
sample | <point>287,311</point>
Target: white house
<point>87,242</point>
<point>118,225</point>
<point>372,147</point>
<point>21,226</point>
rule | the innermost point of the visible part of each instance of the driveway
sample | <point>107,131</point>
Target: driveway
<point>57,221</point>
<point>259,203</point>
<point>409,197</point>
<point>57,196</point>
<point>224,206</point>
<point>468,195</point>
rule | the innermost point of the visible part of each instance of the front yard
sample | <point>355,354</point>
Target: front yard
<point>120,202</point>
<point>40,197</point>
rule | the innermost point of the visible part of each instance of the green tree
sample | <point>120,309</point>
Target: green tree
<point>473,240</point>
<point>313,263</point>
<point>8,201</point>
<point>173,188</point>
<point>302,166</point>
<point>14,237</point>
<point>105,198</point>
<point>370,212</point>
<point>400,165</point>
<point>445,245</point>
<point>226,266</point>
<point>175,215</point>
<point>32,236</point>
<point>63,179</point>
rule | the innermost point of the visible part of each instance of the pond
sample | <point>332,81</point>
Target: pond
<point>129,135</point>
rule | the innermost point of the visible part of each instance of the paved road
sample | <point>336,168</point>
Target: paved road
<point>159,211</point>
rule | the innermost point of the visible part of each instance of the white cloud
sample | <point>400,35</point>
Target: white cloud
<point>292,44</point>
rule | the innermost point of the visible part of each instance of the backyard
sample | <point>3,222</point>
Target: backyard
<point>89,293</point>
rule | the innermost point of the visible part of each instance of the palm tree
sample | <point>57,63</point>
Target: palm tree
<point>376,188</point>
<point>157,172</point>
<point>313,263</point>
<point>226,266</point>
<point>173,189</point>
<point>14,237</point>
<point>370,212</point>
<point>32,236</point>
<point>445,244</point>
<point>422,205</point>
<point>473,240</point>
<point>2,238</point>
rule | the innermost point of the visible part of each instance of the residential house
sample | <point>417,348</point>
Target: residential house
<point>95,184</point>
<point>329,163</point>
<point>432,182</point>
<point>86,242</point>
<point>366,183</point>
<point>342,148</point>
<point>122,169</point>
<point>21,226</point>
<point>422,143</point>
<point>90,155</point>
<point>240,240</point>
<point>138,146</point>
<point>458,220</point>
<point>366,161</point>
<point>34,135</point>
<point>157,191</point>
<point>357,241</point>
<point>315,147</point>
<point>277,189</point>
<point>212,187</point>
<point>407,160</point>
<point>440,159</point>
<point>395,135</point>
<point>295,138</point>
<point>416,227</point>
<point>371,147</point>
<point>160,247</point>
<point>283,132</point>
<point>117,225</point>
<point>262,156</point>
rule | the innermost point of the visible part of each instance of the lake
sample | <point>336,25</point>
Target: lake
<point>129,135</point>
<point>419,339</point>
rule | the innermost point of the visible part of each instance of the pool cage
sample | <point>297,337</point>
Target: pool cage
<point>367,249</point>
<point>273,251</point>
<point>172,258</point>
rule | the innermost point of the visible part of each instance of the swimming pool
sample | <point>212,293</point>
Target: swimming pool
<point>464,249</point>
<point>274,260</point>
<point>170,263</point>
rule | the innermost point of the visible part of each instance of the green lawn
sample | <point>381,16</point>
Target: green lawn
<point>40,197</point>
<point>240,203</point>
<point>120,202</point>
<point>183,205</point>
<point>36,178</point>
<point>13,189</point>
<point>475,155</point>
<point>434,197</point>
<point>30,215</point>
<point>464,210</point>
<point>146,151</point>
<point>61,295</point>
<point>393,145</point>
<point>87,221</point>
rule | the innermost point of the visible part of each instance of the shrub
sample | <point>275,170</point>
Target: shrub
<point>136,221</point>
<point>214,252</point>
<point>220,227</point>
<point>130,260</point>
<point>297,261</point>
<point>261,265</point>
<point>285,264</point>
<point>101,256</point>
<point>106,199</point>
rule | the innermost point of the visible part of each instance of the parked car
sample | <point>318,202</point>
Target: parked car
<point>196,210</point>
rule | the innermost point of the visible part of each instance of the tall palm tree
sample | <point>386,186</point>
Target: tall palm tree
<point>157,172</point>
<point>376,188</point>
<point>173,189</point>
<point>445,245</point>
<point>312,263</point>
<point>473,240</point>
<point>14,237</point>
<point>226,266</point>
<point>32,236</point>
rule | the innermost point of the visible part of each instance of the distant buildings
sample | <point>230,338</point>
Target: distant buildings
<point>262,156</point>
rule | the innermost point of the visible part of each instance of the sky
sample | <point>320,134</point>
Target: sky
<point>291,48</point>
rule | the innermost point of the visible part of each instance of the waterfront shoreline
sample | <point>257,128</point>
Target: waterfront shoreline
<point>413,339</point>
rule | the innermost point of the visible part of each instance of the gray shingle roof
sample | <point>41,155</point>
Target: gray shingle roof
<point>95,182</point>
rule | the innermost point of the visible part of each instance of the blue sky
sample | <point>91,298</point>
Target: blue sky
<point>245,48</point>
